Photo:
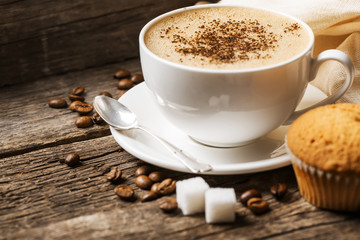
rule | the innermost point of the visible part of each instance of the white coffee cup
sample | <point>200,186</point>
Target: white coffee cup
<point>197,100</point>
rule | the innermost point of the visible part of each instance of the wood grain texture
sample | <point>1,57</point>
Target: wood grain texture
<point>31,124</point>
<point>44,38</point>
<point>43,199</point>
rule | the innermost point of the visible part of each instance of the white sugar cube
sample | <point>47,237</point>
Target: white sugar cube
<point>220,205</point>
<point>190,195</point>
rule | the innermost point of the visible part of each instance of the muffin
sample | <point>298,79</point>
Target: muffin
<point>324,145</point>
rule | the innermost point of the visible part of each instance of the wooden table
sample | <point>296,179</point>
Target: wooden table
<point>40,198</point>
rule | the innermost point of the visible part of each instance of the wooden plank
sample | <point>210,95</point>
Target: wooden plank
<point>36,189</point>
<point>43,199</point>
<point>119,223</point>
<point>53,37</point>
<point>30,124</point>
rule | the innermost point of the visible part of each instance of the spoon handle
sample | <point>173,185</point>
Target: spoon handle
<point>190,162</point>
<point>281,150</point>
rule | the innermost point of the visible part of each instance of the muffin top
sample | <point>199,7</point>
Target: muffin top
<point>328,138</point>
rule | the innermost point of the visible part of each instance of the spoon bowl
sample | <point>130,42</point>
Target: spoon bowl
<point>114,113</point>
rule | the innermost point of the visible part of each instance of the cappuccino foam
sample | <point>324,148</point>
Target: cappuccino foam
<point>227,38</point>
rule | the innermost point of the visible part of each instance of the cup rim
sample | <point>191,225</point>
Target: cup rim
<point>222,71</point>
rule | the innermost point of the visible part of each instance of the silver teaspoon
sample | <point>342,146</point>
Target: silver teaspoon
<point>120,117</point>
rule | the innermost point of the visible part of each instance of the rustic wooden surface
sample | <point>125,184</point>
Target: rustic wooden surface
<point>41,198</point>
<point>45,38</point>
<point>48,48</point>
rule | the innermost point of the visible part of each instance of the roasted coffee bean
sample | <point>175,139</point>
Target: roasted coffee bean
<point>97,119</point>
<point>74,97</point>
<point>143,182</point>
<point>78,91</point>
<point>257,205</point>
<point>148,196</point>
<point>137,78</point>
<point>57,103</point>
<point>83,108</point>
<point>72,159</point>
<point>167,186</point>
<point>106,93</point>
<point>122,92</point>
<point>155,188</point>
<point>125,84</point>
<point>168,205</point>
<point>279,190</point>
<point>143,170</point>
<point>114,175</point>
<point>83,122</point>
<point>73,104</point>
<point>123,73</point>
<point>124,191</point>
<point>157,176</point>
<point>251,193</point>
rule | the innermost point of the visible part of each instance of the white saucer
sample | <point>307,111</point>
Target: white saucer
<point>254,157</point>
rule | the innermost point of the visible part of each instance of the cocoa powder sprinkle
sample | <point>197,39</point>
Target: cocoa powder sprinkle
<point>228,41</point>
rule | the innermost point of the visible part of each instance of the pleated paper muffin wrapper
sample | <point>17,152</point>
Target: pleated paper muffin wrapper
<point>328,190</point>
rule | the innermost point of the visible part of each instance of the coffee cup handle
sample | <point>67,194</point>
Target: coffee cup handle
<point>315,65</point>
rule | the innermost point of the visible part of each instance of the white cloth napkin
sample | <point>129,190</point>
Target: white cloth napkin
<point>336,25</point>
